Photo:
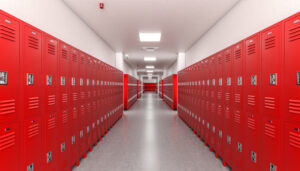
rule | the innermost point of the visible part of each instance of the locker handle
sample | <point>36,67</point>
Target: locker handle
<point>269,121</point>
<point>251,116</point>
<point>51,116</point>
<point>33,121</point>
<point>296,129</point>
<point>7,129</point>
<point>7,21</point>
<point>296,21</point>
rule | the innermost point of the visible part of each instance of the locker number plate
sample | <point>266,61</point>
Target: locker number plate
<point>3,77</point>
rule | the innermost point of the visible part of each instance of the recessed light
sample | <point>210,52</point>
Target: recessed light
<point>150,37</point>
<point>126,55</point>
<point>149,71</point>
<point>150,58</point>
<point>150,49</point>
<point>150,67</point>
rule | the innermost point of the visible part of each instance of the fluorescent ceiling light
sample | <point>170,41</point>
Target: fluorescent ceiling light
<point>150,71</point>
<point>150,37</point>
<point>149,58</point>
<point>150,67</point>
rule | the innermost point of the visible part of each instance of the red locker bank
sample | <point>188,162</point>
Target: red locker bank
<point>161,88</point>
<point>170,91</point>
<point>49,107</point>
<point>130,91</point>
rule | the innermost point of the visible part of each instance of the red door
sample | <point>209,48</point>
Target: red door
<point>252,101</point>
<point>50,113</point>
<point>291,97</point>
<point>31,69</point>
<point>9,86</point>
<point>64,111</point>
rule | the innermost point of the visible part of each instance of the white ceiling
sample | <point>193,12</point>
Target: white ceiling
<point>181,22</point>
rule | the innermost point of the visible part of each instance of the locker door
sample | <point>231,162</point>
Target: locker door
<point>98,100</point>
<point>9,86</point>
<point>64,115</point>
<point>228,105</point>
<point>270,97</point>
<point>94,102</point>
<point>252,100</point>
<point>202,103</point>
<point>31,56</point>
<point>174,91</point>
<point>207,116</point>
<point>238,102</point>
<point>220,93</point>
<point>292,96</point>
<point>102,73</point>
<point>50,112</point>
<point>88,102</point>
<point>125,91</point>
<point>74,108</point>
<point>212,69</point>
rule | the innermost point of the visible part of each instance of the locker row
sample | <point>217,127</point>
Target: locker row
<point>150,87</point>
<point>169,91</point>
<point>244,101</point>
<point>139,88</point>
<point>161,89</point>
<point>130,91</point>
<point>56,101</point>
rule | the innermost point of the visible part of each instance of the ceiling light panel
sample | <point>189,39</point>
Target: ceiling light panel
<point>150,67</point>
<point>150,37</point>
<point>150,71</point>
<point>149,58</point>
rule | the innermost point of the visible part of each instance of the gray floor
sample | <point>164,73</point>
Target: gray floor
<point>150,137</point>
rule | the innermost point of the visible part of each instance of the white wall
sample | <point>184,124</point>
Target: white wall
<point>178,65</point>
<point>55,18</point>
<point>245,19</point>
<point>122,65</point>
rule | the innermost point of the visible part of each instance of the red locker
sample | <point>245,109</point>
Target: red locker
<point>125,91</point>
<point>202,99</point>
<point>252,100</point>
<point>82,105</point>
<point>238,119</point>
<point>291,97</point>
<point>9,86</point>
<point>220,111</point>
<point>50,113</point>
<point>213,134</point>
<point>31,87</point>
<point>94,100</point>
<point>74,105</point>
<point>88,102</point>
<point>99,75</point>
<point>206,100</point>
<point>271,84</point>
<point>102,97</point>
<point>63,106</point>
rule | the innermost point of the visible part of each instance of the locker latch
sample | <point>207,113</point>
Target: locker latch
<point>273,167</point>
<point>239,147</point>
<point>273,79</point>
<point>214,129</point>
<point>49,80</point>
<point>228,81</point>
<point>207,125</point>
<point>63,147</point>
<point>81,133</point>
<point>220,133</point>
<point>298,77</point>
<point>203,122</point>
<point>220,81</point>
<point>81,82</point>
<point>3,77</point>
<point>98,122</point>
<point>30,79</point>
<point>49,156</point>
<point>62,81</point>
<point>73,139</point>
<point>228,140</point>
<point>73,81</point>
<point>88,129</point>
<point>239,81</point>
<point>253,156</point>
<point>253,80</point>
<point>93,125</point>
<point>30,167</point>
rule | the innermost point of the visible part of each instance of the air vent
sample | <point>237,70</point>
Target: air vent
<point>74,57</point>
<point>251,49</point>
<point>270,42</point>
<point>237,54</point>
<point>64,53</point>
<point>51,49</point>
<point>7,33</point>
<point>294,34</point>
<point>227,57</point>
<point>33,42</point>
<point>150,49</point>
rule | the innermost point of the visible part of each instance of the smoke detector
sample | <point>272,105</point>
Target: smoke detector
<point>150,49</point>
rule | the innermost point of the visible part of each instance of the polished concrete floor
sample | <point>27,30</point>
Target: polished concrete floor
<point>150,137</point>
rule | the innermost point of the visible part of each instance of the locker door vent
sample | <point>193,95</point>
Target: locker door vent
<point>227,57</point>
<point>7,33</point>
<point>270,129</point>
<point>237,98</point>
<point>251,100</point>
<point>294,34</point>
<point>269,103</point>
<point>65,117</point>
<point>237,118</point>
<point>33,42</point>
<point>51,122</point>
<point>7,139</point>
<point>33,129</point>
<point>64,53</point>
<point>237,54</point>
<point>251,49</point>
<point>294,139</point>
<point>51,100</point>
<point>75,113</point>
<point>33,103</point>
<point>82,60</point>
<point>227,96</point>
<point>7,107</point>
<point>251,123</point>
<point>294,106</point>
<point>64,98</point>
<point>75,97</point>
<point>82,95</point>
<point>51,49</point>
<point>270,42</point>
<point>75,59</point>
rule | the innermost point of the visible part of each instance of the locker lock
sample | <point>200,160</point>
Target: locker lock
<point>30,167</point>
<point>253,156</point>
<point>81,133</point>
<point>228,139</point>
<point>49,156</point>
<point>214,129</point>
<point>239,147</point>
<point>63,147</point>
<point>3,77</point>
<point>73,139</point>
<point>220,133</point>
<point>298,77</point>
<point>273,167</point>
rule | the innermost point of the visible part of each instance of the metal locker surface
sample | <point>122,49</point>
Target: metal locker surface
<point>252,99</point>
<point>271,104</point>
<point>49,104</point>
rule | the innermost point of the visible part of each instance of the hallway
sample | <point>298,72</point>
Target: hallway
<point>150,137</point>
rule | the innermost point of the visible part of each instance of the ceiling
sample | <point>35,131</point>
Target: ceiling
<point>181,22</point>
